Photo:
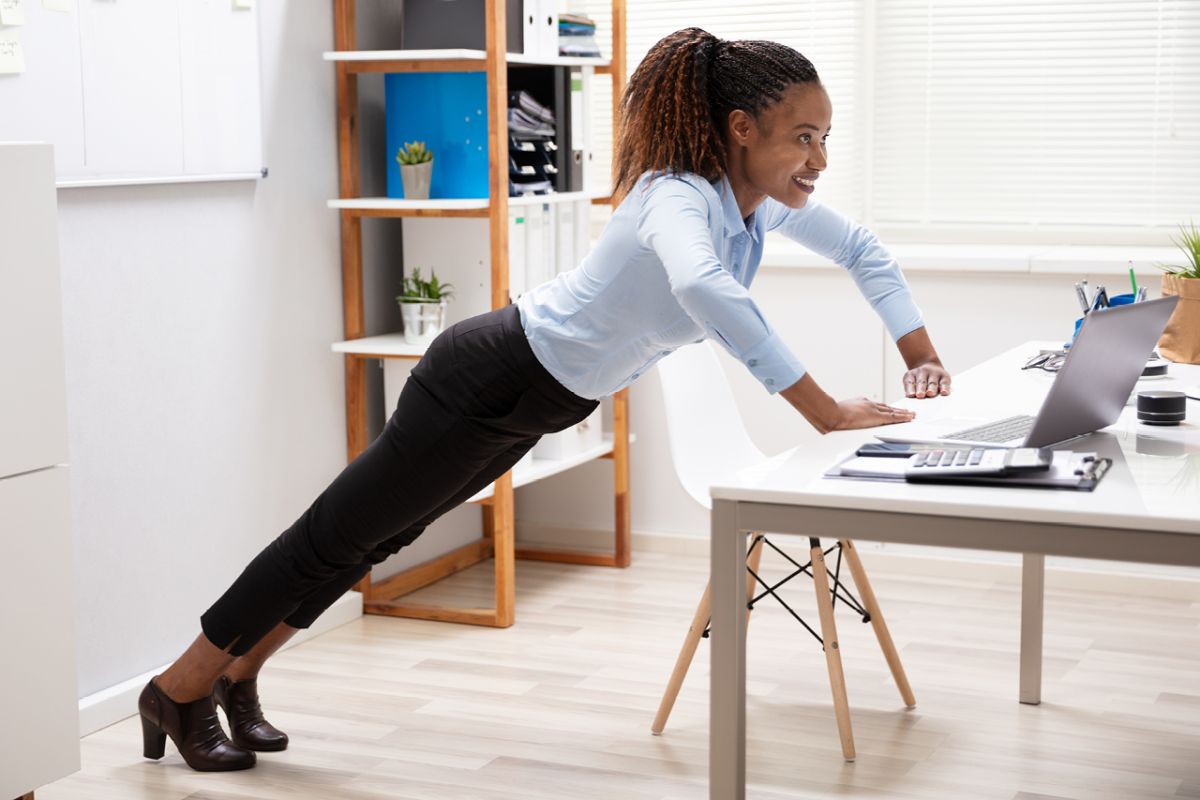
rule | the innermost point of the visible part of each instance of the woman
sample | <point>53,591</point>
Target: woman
<point>721,141</point>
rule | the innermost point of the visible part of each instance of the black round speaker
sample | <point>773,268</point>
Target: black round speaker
<point>1161,407</point>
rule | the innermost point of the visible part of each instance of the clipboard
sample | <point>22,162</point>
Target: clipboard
<point>1079,471</point>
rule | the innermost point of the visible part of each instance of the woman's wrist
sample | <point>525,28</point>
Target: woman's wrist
<point>917,349</point>
<point>821,410</point>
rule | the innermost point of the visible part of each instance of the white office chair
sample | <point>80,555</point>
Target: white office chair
<point>707,440</point>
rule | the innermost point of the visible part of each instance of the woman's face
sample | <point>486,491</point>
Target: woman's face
<point>784,148</point>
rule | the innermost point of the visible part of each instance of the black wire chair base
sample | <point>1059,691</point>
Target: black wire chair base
<point>839,590</point>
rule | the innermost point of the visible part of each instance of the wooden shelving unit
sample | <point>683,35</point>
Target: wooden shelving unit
<point>499,537</point>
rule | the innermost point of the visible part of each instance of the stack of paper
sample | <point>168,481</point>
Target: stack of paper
<point>577,36</point>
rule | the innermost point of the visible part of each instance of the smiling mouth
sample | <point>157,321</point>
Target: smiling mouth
<point>809,182</point>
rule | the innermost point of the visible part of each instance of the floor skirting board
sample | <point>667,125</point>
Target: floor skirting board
<point>103,708</point>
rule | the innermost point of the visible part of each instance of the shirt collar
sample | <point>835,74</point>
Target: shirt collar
<point>734,224</point>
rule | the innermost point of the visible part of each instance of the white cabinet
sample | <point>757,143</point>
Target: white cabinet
<point>39,694</point>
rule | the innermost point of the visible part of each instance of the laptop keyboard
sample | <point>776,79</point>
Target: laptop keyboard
<point>1000,431</point>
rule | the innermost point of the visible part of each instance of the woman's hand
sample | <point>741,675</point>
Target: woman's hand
<point>862,412</point>
<point>926,377</point>
<point>927,380</point>
<point>826,414</point>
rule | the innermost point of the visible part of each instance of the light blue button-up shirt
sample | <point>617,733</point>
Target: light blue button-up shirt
<point>673,266</point>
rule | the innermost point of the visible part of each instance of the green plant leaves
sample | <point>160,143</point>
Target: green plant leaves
<point>414,153</point>
<point>415,289</point>
<point>1189,242</point>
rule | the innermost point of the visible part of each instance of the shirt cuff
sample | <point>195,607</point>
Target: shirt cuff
<point>900,315</point>
<point>773,364</point>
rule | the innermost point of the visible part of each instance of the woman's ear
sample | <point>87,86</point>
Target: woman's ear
<point>742,127</point>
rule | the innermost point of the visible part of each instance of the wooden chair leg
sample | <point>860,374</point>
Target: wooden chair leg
<point>877,623</point>
<point>833,655</point>
<point>690,642</point>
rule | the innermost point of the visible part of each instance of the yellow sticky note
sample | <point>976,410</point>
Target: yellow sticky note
<point>12,57</point>
<point>12,12</point>
<point>243,4</point>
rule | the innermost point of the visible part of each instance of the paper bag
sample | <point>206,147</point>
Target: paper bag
<point>1180,341</point>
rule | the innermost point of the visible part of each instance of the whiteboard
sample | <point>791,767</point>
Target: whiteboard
<point>139,91</point>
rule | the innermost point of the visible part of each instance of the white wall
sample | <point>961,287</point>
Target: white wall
<point>205,407</point>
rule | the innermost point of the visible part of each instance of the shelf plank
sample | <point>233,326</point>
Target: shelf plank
<point>453,59</point>
<point>388,345</point>
<point>466,616</point>
<point>557,197</point>
<point>397,207</point>
<point>454,207</point>
<point>569,557</point>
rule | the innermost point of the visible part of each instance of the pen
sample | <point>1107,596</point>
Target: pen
<point>1102,296</point>
<point>1087,295</point>
<point>1081,297</point>
<point>1140,296</point>
<point>1132,280</point>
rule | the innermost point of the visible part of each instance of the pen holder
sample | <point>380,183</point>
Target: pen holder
<point>1115,300</point>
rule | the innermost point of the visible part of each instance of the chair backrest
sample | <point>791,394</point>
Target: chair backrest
<point>704,427</point>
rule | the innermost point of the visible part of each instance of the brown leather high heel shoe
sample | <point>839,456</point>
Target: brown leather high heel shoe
<point>193,727</point>
<point>247,725</point>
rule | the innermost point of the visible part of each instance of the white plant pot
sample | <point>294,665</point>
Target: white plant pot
<point>415,179</point>
<point>423,321</point>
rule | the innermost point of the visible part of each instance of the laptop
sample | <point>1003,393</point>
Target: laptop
<point>1088,393</point>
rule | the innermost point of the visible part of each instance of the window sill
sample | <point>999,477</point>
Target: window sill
<point>1079,261</point>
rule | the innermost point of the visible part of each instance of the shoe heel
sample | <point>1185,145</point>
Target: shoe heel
<point>154,741</point>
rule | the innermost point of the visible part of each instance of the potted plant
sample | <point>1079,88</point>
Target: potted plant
<point>423,307</point>
<point>1180,340</point>
<point>416,170</point>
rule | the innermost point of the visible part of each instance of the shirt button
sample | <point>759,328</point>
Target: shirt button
<point>770,381</point>
<point>753,362</point>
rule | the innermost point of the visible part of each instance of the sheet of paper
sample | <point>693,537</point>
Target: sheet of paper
<point>12,12</point>
<point>12,57</point>
<point>65,6</point>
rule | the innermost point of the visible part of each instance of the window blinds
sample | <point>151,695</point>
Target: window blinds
<point>950,114</point>
<point>1036,113</point>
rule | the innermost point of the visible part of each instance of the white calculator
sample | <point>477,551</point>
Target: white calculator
<point>979,461</point>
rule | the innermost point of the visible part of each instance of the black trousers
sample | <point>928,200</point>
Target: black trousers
<point>474,404</point>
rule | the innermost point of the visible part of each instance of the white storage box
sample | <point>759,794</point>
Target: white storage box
<point>572,441</point>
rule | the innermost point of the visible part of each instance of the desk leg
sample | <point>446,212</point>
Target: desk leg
<point>1033,585</point>
<point>727,691</point>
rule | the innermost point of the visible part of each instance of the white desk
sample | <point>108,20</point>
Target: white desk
<point>1139,512</point>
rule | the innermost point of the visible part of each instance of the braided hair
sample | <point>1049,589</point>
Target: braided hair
<point>674,109</point>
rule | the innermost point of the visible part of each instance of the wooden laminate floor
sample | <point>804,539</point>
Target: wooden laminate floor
<point>560,705</point>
